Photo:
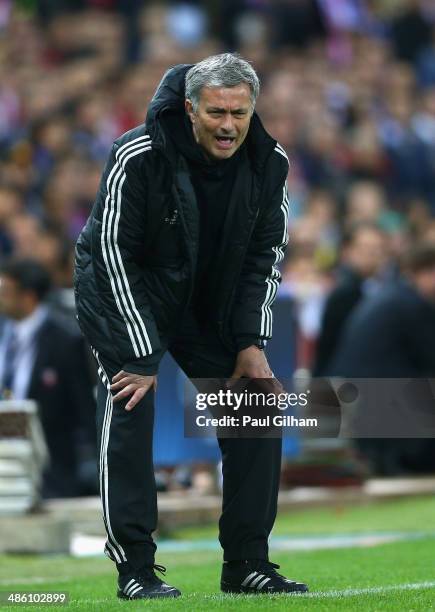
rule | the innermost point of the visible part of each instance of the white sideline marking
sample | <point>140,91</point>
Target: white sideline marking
<point>407,586</point>
<point>34,580</point>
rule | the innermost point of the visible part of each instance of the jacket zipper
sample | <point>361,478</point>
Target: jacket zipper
<point>177,198</point>
<point>188,248</point>
<point>224,320</point>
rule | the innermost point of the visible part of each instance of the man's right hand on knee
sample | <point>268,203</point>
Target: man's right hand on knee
<point>134,385</point>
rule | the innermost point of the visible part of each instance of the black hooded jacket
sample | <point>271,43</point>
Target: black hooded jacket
<point>136,257</point>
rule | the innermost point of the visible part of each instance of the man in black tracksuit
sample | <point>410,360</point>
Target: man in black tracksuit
<point>180,254</point>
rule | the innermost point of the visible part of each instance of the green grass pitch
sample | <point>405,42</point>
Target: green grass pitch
<point>398,576</point>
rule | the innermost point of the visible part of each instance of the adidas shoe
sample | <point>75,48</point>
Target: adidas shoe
<point>144,584</point>
<point>257,576</point>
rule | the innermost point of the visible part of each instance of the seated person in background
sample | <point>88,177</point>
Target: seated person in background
<point>42,359</point>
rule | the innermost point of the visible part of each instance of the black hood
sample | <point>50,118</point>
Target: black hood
<point>170,95</point>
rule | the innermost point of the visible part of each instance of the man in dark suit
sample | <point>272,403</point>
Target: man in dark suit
<point>392,336</point>
<point>41,358</point>
<point>363,256</point>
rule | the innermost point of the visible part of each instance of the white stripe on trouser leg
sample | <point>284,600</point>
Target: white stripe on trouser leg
<point>101,372</point>
<point>109,544</point>
<point>111,540</point>
<point>104,377</point>
<point>106,481</point>
<point>116,549</point>
<point>248,578</point>
<point>261,584</point>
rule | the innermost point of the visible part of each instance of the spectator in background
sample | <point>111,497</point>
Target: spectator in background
<point>10,205</point>
<point>410,172</point>
<point>365,203</point>
<point>42,359</point>
<point>296,23</point>
<point>411,31</point>
<point>426,64</point>
<point>392,335</point>
<point>362,258</point>
<point>401,321</point>
<point>306,284</point>
<point>320,153</point>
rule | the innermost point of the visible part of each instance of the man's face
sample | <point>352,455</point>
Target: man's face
<point>366,254</point>
<point>11,298</point>
<point>424,280</point>
<point>221,121</point>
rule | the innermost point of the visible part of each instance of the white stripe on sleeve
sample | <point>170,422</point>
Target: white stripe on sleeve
<point>272,281</point>
<point>111,253</point>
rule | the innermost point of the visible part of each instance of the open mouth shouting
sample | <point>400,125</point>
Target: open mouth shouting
<point>225,142</point>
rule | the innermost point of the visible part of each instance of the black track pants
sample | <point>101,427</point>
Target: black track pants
<point>251,467</point>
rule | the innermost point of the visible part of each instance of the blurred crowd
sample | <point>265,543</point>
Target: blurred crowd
<point>348,89</point>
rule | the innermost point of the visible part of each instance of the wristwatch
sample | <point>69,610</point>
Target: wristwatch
<point>248,341</point>
<point>260,344</point>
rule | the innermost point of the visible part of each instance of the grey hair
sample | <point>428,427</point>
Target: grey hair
<point>224,70</point>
